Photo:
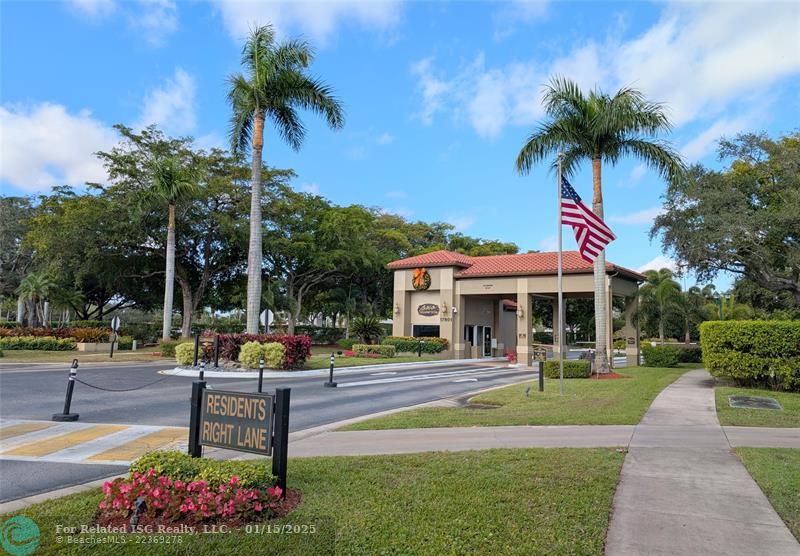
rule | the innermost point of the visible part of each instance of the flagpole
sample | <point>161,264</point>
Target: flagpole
<point>560,286</point>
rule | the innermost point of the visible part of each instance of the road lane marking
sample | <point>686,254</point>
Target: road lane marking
<point>131,450</point>
<point>23,428</point>
<point>58,443</point>
<point>465,380</point>
<point>429,376</point>
<point>384,373</point>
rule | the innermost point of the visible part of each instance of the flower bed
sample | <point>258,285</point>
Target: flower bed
<point>176,502</point>
<point>298,348</point>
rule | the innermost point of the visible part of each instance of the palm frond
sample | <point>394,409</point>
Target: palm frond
<point>310,94</point>
<point>660,156</point>
<point>242,102</point>
<point>288,124</point>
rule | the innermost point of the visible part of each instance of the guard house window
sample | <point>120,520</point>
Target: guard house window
<point>425,330</point>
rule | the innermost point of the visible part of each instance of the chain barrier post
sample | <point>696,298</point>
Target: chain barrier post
<point>195,448</point>
<point>196,348</point>
<point>66,415</point>
<point>280,443</point>
<point>260,374</point>
<point>331,383</point>
<point>202,370</point>
<point>216,351</point>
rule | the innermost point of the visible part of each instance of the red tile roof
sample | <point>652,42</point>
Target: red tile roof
<point>507,265</point>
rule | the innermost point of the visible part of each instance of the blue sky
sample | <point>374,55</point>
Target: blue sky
<point>439,96</point>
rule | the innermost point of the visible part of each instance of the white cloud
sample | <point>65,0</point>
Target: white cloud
<point>92,8</point>
<point>397,194</point>
<point>659,262</point>
<point>510,16</point>
<point>312,188</point>
<point>550,243</point>
<point>645,216</point>
<point>638,172</point>
<point>316,19</point>
<point>698,58</point>
<point>461,223</point>
<point>44,145</point>
<point>157,19</point>
<point>385,138</point>
<point>171,106</point>
<point>704,143</point>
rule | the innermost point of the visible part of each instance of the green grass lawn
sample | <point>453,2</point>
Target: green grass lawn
<point>38,356</point>
<point>777,472</point>
<point>788,417</point>
<point>323,360</point>
<point>585,402</point>
<point>534,501</point>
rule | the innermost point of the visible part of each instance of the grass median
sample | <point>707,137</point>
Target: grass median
<point>149,354</point>
<point>585,401</point>
<point>789,416</point>
<point>777,472</point>
<point>532,501</point>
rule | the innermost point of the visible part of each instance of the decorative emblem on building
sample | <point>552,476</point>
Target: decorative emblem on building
<point>421,279</point>
<point>428,309</point>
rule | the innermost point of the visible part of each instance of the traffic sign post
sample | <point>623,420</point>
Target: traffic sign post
<point>115,322</point>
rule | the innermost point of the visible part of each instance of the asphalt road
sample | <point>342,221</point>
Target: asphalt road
<point>37,391</point>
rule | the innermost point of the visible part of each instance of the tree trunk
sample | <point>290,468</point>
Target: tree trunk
<point>254,253</point>
<point>600,286</point>
<point>169,284</point>
<point>188,308</point>
<point>20,310</point>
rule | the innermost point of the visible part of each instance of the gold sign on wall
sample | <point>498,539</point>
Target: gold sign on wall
<point>428,310</point>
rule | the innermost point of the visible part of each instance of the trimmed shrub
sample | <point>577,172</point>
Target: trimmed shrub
<point>168,348</point>
<point>273,354</point>
<point>91,335</point>
<point>377,349</point>
<point>572,369</point>
<point>661,356</point>
<point>410,344</point>
<point>753,353</point>
<point>250,354</point>
<point>1,353</point>
<point>184,353</point>
<point>41,343</point>
<point>347,343</point>
<point>125,343</point>
<point>183,467</point>
<point>689,353</point>
<point>298,348</point>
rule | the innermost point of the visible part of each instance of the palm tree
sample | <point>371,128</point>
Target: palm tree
<point>662,291</point>
<point>275,86</point>
<point>171,184</point>
<point>599,128</point>
<point>34,290</point>
<point>690,307</point>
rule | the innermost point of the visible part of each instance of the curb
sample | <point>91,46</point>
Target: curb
<point>22,503</point>
<point>178,371</point>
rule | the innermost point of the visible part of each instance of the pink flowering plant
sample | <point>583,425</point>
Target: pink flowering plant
<point>194,501</point>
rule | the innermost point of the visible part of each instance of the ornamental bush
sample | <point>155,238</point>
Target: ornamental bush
<point>168,348</point>
<point>347,343</point>
<point>377,349</point>
<point>273,354</point>
<point>250,354</point>
<point>689,353</point>
<point>661,356</point>
<point>183,467</point>
<point>184,353</point>
<point>572,369</point>
<point>410,344</point>
<point>90,335</point>
<point>753,353</point>
<point>298,348</point>
<point>43,343</point>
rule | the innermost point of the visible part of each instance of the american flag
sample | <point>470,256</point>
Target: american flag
<point>591,232</point>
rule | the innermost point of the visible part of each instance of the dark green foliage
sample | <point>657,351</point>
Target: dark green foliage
<point>368,328</point>
<point>382,350</point>
<point>168,348</point>
<point>347,343</point>
<point>572,369</point>
<point>753,353</point>
<point>690,354</point>
<point>44,343</point>
<point>661,356</point>
<point>410,344</point>
<point>183,467</point>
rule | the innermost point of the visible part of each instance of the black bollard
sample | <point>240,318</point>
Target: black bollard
<point>196,348</point>
<point>66,415</point>
<point>216,351</point>
<point>260,374</point>
<point>419,348</point>
<point>541,376</point>
<point>331,383</point>
<point>202,369</point>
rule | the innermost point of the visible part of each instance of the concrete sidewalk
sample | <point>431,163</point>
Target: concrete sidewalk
<point>682,490</point>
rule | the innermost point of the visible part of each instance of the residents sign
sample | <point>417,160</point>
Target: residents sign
<point>237,421</point>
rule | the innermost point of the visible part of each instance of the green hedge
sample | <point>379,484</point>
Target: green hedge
<point>180,466</point>
<point>661,356</point>
<point>168,348</point>
<point>409,344</point>
<point>690,353</point>
<point>379,349</point>
<point>753,353</point>
<point>43,343</point>
<point>572,369</point>
<point>347,343</point>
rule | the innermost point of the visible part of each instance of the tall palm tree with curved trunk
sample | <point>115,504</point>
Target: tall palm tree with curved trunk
<point>599,128</point>
<point>275,86</point>
<point>172,182</point>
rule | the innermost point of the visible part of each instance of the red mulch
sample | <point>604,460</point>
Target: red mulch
<point>607,376</point>
<point>290,502</point>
